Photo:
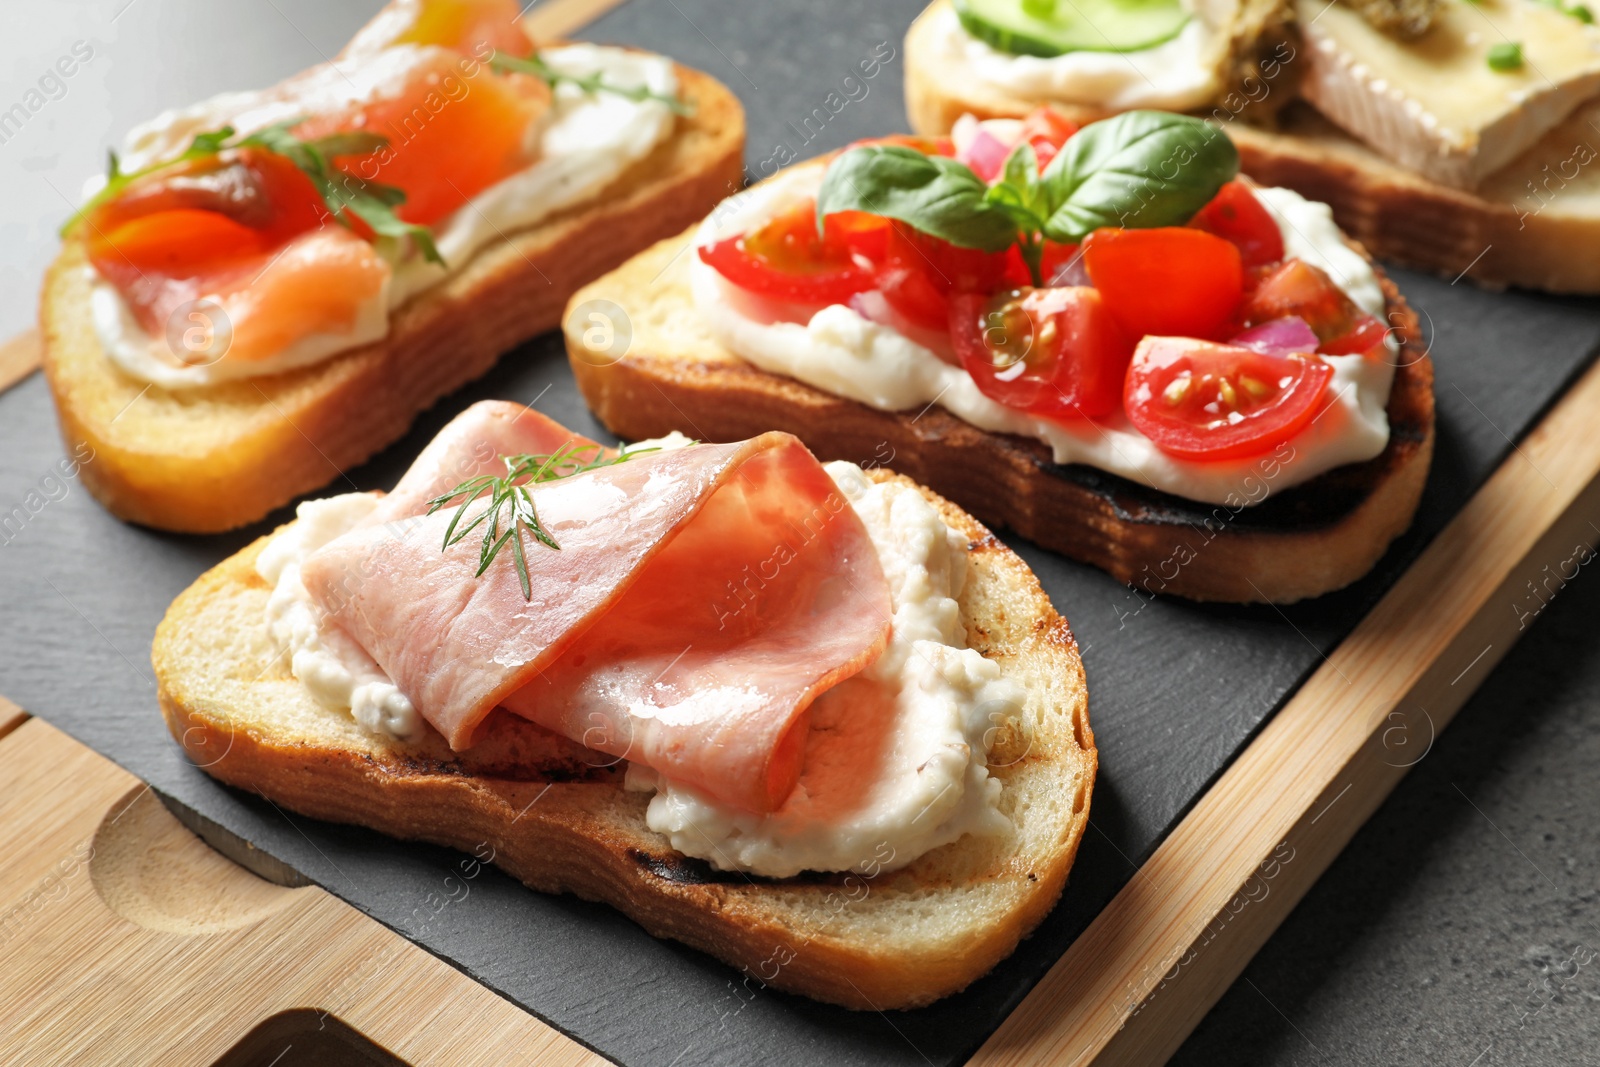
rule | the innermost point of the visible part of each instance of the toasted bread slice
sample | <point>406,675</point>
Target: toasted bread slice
<point>1535,222</point>
<point>1299,543</point>
<point>217,457</point>
<point>561,822</point>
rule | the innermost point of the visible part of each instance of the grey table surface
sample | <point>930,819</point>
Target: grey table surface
<point>1463,924</point>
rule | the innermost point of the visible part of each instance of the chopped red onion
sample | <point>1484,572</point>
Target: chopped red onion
<point>1279,337</point>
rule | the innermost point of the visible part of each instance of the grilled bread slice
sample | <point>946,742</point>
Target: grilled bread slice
<point>217,457</point>
<point>1534,223</point>
<point>560,821</point>
<point>1301,542</point>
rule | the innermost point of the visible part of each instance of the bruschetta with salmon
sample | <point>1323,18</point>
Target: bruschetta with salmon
<point>1101,337</point>
<point>269,286</point>
<point>810,718</point>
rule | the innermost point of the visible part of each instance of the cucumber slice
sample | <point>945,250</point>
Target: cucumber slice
<point>1054,27</point>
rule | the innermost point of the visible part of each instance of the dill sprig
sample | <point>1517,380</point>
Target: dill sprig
<point>510,512</point>
<point>590,83</point>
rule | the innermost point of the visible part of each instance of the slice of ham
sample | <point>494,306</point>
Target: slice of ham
<point>700,600</point>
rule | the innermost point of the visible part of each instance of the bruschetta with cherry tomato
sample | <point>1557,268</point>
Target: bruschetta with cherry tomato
<point>269,286</point>
<point>1101,337</point>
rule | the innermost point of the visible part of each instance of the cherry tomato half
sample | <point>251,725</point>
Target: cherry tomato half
<point>1167,281</point>
<point>786,259</point>
<point>1200,400</point>
<point>919,273</point>
<point>1235,214</point>
<point>1053,352</point>
<point>1295,287</point>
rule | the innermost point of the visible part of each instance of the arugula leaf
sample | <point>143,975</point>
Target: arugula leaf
<point>344,193</point>
<point>933,194</point>
<point>536,66</point>
<point>204,144</point>
<point>1138,170</point>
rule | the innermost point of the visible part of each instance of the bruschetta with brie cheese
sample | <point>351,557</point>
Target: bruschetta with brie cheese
<point>1099,337</point>
<point>1451,135</point>
<point>269,286</point>
<point>812,719</point>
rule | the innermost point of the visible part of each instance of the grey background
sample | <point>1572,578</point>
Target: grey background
<point>1419,947</point>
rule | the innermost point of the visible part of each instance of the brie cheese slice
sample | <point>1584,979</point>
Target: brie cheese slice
<point>1433,104</point>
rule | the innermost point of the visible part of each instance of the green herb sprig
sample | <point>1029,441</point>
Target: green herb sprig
<point>510,511</point>
<point>1140,169</point>
<point>1506,56</point>
<point>345,195</point>
<point>590,83</point>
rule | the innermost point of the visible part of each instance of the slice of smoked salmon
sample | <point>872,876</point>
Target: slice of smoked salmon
<point>453,128</point>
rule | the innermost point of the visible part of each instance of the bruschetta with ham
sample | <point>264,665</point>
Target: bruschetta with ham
<point>1101,337</point>
<point>766,706</point>
<point>269,286</point>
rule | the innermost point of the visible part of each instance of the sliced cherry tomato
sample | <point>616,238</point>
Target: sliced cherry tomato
<point>178,243</point>
<point>1053,352</point>
<point>1295,287</point>
<point>864,234</point>
<point>920,272</point>
<point>1235,214</point>
<point>1047,130</point>
<point>1201,400</point>
<point>1169,281</point>
<point>786,259</point>
<point>1367,334</point>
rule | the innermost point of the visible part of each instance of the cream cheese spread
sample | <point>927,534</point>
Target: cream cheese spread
<point>841,352</point>
<point>1176,75</point>
<point>335,670</point>
<point>584,144</point>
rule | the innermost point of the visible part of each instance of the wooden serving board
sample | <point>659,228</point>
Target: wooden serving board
<point>128,940</point>
<point>1240,747</point>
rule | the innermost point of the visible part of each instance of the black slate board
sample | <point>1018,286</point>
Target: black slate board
<point>1176,688</point>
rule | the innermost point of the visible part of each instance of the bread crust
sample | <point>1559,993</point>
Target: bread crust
<point>1536,223</point>
<point>1302,542</point>
<point>559,821</point>
<point>218,457</point>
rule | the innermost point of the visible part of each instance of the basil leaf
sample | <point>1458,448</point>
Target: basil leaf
<point>1021,169</point>
<point>1018,191</point>
<point>1137,170</point>
<point>933,194</point>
